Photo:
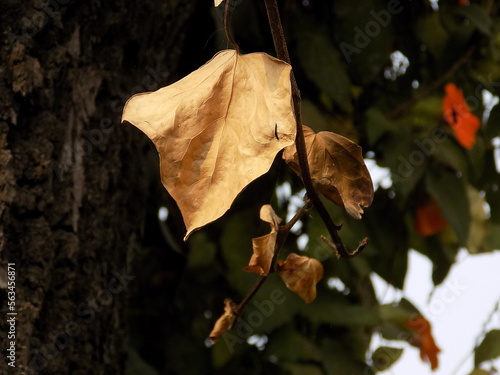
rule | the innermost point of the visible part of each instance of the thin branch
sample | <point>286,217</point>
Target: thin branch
<point>362,244</point>
<point>282,54</point>
<point>226,28</point>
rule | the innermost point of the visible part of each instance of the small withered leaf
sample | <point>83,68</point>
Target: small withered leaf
<point>225,321</point>
<point>263,247</point>
<point>301,274</point>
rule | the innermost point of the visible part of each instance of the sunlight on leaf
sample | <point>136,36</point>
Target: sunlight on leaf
<point>301,274</point>
<point>263,247</point>
<point>217,130</point>
<point>337,169</point>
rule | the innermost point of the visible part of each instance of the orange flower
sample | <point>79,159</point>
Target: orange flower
<point>429,219</point>
<point>457,114</point>
<point>423,339</point>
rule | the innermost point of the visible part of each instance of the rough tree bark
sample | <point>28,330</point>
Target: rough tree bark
<point>72,186</point>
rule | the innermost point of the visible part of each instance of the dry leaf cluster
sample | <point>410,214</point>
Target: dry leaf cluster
<point>220,128</point>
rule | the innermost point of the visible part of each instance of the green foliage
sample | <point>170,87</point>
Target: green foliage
<point>489,348</point>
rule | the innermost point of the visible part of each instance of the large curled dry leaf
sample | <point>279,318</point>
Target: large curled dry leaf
<point>337,170</point>
<point>264,246</point>
<point>225,321</point>
<point>217,130</point>
<point>301,274</point>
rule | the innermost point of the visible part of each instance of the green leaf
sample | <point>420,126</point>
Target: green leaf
<point>338,360</point>
<point>449,153</point>
<point>385,356</point>
<point>479,371</point>
<point>366,41</point>
<point>301,369</point>
<point>477,228</point>
<point>236,246</point>
<point>290,346</point>
<point>201,251</point>
<point>492,128</point>
<point>492,237</point>
<point>449,191</point>
<point>393,331</point>
<point>323,64</point>
<point>388,249</point>
<point>478,16</point>
<point>273,306</point>
<point>489,348</point>
<point>432,34</point>
<point>395,314</point>
<point>426,112</point>
<point>137,366</point>
<point>333,309</point>
<point>377,125</point>
<point>441,250</point>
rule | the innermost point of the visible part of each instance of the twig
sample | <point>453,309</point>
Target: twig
<point>226,28</point>
<point>300,144</point>
<point>362,244</point>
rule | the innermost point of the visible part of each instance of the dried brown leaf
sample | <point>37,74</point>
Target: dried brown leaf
<point>217,130</point>
<point>263,247</point>
<point>301,274</point>
<point>337,168</point>
<point>225,322</point>
<point>268,215</point>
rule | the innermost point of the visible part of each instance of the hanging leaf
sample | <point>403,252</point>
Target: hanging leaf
<point>423,339</point>
<point>301,274</point>
<point>225,322</point>
<point>458,116</point>
<point>263,247</point>
<point>337,168</point>
<point>489,347</point>
<point>217,130</point>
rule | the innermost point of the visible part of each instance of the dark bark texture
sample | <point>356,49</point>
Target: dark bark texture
<point>73,186</point>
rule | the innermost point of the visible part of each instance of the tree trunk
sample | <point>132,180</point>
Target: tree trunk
<point>72,182</point>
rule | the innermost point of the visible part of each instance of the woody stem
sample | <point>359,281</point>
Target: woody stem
<point>282,53</point>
